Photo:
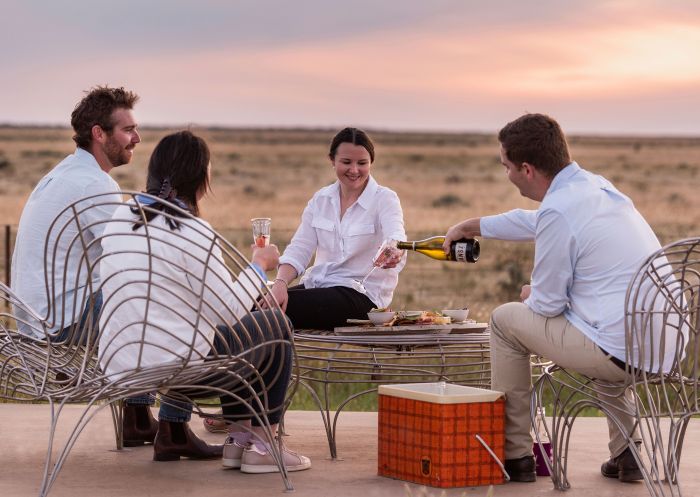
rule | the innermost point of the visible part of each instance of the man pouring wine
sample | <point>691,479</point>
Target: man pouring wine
<point>589,242</point>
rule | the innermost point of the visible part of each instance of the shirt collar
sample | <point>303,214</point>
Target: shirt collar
<point>86,156</point>
<point>563,176</point>
<point>365,199</point>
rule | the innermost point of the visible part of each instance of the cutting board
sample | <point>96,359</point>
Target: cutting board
<point>414,329</point>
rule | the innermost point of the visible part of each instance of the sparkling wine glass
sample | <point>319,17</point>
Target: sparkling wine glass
<point>261,231</point>
<point>261,234</point>
<point>383,254</point>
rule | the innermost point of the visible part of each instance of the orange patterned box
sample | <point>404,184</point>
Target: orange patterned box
<point>427,434</point>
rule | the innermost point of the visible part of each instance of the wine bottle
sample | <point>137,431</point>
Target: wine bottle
<point>464,250</point>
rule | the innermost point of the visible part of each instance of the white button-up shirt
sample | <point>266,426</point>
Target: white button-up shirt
<point>77,176</point>
<point>345,247</point>
<point>589,242</point>
<point>172,268</point>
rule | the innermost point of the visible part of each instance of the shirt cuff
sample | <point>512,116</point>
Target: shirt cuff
<point>258,269</point>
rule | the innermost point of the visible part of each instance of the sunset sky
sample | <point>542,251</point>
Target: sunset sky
<point>612,67</point>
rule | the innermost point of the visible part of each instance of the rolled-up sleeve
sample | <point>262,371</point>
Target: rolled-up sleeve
<point>391,217</point>
<point>391,222</point>
<point>518,225</point>
<point>555,256</point>
<point>304,242</point>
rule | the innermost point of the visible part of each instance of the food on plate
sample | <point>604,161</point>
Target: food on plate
<point>380,309</point>
<point>421,317</point>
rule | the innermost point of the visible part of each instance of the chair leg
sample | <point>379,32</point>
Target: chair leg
<point>47,477</point>
<point>667,456</point>
<point>559,430</point>
<point>51,472</point>
<point>117,410</point>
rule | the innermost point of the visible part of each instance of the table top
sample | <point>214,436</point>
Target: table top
<point>411,329</point>
<point>479,337</point>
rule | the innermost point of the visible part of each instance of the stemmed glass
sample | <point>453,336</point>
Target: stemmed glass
<point>261,231</point>
<point>380,258</point>
<point>261,234</point>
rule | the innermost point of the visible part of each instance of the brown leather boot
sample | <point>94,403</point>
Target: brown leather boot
<point>139,425</point>
<point>176,440</point>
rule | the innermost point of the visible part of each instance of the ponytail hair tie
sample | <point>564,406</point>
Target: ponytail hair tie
<point>167,192</point>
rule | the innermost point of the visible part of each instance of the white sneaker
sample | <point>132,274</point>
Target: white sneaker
<point>260,460</point>
<point>233,452</point>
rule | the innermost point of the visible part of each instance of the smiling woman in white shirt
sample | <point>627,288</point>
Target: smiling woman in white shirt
<point>343,225</point>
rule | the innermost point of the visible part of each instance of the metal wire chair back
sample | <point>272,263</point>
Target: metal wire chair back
<point>662,325</point>
<point>661,351</point>
<point>161,303</point>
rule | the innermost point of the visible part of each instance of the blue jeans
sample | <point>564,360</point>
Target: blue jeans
<point>273,362</point>
<point>92,312</point>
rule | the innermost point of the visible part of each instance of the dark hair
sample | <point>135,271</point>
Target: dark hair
<point>355,136</point>
<point>177,172</point>
<point>97,108</point>
<point>538,140</point>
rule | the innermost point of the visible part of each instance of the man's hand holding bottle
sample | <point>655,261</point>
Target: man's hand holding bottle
<point>469,228</point>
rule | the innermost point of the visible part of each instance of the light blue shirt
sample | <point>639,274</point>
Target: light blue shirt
<point>589,242</point>
<point>77,176</point>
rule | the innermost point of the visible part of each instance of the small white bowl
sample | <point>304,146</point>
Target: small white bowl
<point>457,315</point>
<point>379,318</point>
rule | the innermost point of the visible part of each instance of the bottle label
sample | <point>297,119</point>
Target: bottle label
<point>461,250</point>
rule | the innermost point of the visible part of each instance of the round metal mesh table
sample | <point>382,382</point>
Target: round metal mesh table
<point>326,359</point>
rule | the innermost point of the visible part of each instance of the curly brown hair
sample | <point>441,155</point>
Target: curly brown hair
<point>97,108</point>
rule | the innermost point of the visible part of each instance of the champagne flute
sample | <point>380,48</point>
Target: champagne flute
<point>261,231</point>
<point>385,251</point>
<point>261,234</point>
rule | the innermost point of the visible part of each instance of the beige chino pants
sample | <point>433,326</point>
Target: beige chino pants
<point>517,332</point>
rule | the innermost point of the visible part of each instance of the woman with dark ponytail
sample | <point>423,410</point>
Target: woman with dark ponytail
<point>140,332</point>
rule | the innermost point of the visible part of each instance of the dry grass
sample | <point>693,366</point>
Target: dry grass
<point>440,178</point>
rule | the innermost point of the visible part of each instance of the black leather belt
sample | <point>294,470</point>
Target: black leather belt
<point>617,362</point>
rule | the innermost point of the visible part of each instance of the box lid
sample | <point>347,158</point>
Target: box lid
<point>440,393</point>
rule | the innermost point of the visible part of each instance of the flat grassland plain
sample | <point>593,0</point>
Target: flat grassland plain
<point>440,178</point>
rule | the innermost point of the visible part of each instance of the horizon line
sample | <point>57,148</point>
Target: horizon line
<point>373,129</point>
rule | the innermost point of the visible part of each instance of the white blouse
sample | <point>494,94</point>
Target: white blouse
<point>344,247</point>
<point>175,325</point>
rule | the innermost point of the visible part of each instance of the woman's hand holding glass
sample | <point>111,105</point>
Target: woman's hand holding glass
<point>285,274</point>
<point>267,257</point>
<point>387,257</point>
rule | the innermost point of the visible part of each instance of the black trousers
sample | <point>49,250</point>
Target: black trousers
<point>326,308</point>
<point>268,370</point>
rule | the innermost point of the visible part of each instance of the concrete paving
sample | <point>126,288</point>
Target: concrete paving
<point>93,468</point>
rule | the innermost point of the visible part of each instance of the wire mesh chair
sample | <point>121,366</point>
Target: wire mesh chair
<point>662,312</point>
<point>181,314</point>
